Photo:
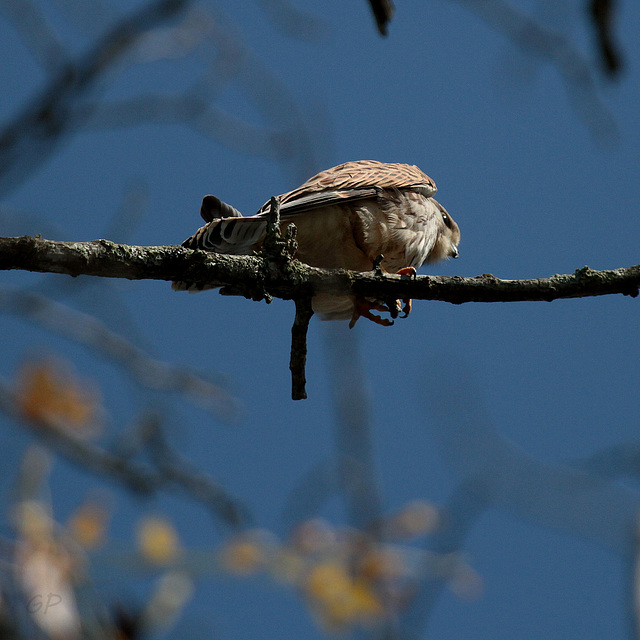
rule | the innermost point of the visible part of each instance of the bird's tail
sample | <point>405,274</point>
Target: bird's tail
<point>238,236</point>
<point>227,231</point>
<point>213,208</point>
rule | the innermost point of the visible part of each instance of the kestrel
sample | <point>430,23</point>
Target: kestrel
<point>354,216</point>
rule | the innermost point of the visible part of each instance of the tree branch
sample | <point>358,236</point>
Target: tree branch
<point>252,277</point>
<point>266,276</point>
<point>602,14</point>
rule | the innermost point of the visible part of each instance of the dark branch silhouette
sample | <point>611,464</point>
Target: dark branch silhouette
<point>602,14</point>
<point>383,11</point>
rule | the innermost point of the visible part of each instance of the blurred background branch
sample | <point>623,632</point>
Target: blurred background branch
<point>94,335</point>
<point>29,139</point>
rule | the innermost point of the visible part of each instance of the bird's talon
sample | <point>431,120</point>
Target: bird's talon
<point>363,308</point>
<point>376,264</point>
<point>394,308</point>
<point>408,271</point>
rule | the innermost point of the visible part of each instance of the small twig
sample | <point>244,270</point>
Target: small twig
<point>273,219</point>
<point>290,241</point>
<point>298,360</point>
<point>377,269</point>
<point>274,246</point>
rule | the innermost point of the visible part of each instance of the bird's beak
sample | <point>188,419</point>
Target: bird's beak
<point>454,251</point>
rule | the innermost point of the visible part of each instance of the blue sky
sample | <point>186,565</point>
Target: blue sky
<point>515,393</point>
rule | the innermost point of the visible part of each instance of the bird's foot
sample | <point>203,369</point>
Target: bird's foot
<point>363,308</point>
<point>407,271</point>
<point>407,302</point>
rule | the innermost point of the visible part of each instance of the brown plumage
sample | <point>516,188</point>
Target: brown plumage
<point>345,217</point>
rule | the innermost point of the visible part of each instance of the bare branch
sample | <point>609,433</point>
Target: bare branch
<point>252,276</point>
<point>272,245</point>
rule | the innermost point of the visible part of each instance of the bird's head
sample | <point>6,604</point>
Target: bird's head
<point>446,245</point>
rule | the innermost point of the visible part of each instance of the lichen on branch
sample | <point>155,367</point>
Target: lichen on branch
<point>245,274</point>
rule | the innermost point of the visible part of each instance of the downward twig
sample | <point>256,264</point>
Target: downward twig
<point>277,249</point>
<point>298,359</point>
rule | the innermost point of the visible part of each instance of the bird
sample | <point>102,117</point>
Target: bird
<point>360,215</point>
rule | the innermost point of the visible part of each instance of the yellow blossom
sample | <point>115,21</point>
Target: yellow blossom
<point>158,540</point>
<point>340,601</point>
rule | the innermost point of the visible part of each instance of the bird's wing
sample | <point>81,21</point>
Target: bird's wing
<point>353,181</point>
<point>310,201</point>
